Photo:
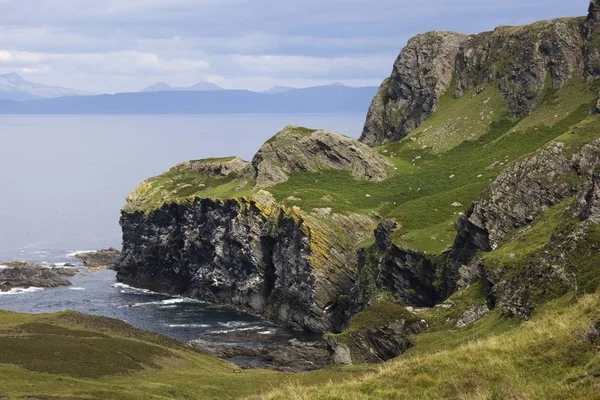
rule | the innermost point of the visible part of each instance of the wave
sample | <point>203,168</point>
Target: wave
<point>5,267</point>
<point>246,329</point>
<point>178,300</point>
<point>77,288</point>
<point>72,254</point>
<point>21,291</point>
<point>269,332</point>
<point>130,289</point>
<point>188,325</point>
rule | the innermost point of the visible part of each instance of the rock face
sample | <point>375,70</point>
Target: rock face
<point>100,259</point>
<point>523,61</point>
<point>297,149</point>
<point>378,334</point>
<point>421,74</point>
<point>26,275</point>
<point>292,267</point>
<point>514,201</point>
<point>291,356</point>
<point>407,275</point>
<point>518,195</point>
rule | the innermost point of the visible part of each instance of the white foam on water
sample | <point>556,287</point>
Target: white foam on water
<point>21,291</point>
<point>270,332</point>
<point>129,289</point>
<point>81,252</point>
<point>167,307</point>
<point>167,302</point>
<point>5,267</point>
<point>77,288</point>
<point>246,329</point>
<point>234,324</point>
<point>188,325</point>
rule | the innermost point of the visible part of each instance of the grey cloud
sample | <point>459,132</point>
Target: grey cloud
<point>126,44</point>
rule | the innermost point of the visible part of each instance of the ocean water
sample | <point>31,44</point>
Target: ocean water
<point>65,178</point>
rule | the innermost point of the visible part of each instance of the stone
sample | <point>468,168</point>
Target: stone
<point>108,258</point>
<point>472,315</point>
<point>296,149</point>
<point>27,275</point>
<point>421,74</point>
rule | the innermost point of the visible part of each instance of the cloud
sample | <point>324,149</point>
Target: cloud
<point>115,45</point>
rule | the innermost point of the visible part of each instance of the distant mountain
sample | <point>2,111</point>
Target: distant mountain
<point>14,87</point>
<point>157,87</point>
<point>283,89</point>
<point>323,99</point>
<point>165,87</point>
<point>279,89</point>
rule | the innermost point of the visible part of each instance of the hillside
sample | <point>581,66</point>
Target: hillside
<point>457,241</point>
<point>74,356</point>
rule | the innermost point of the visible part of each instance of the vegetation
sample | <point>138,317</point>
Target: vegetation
<point>70,355</point>
<point>549,357</point>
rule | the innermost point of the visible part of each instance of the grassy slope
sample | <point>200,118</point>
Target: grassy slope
<point>429,181</point>
<point>69,355</point>
<point>548,357</point>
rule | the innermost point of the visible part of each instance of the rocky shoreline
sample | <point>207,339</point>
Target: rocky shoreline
<point>17,274</point>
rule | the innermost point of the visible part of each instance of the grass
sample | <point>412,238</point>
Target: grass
<point>70,355</point>
<point>448,160</point>
<point>548,357</point>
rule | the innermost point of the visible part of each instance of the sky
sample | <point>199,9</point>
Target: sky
<point>108,46</point>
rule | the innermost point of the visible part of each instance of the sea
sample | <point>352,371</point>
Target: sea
<point>64,178</point>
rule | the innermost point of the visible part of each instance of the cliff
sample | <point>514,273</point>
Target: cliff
<point>479,202</point>
<point>251,251</point>
<point>521,61</point>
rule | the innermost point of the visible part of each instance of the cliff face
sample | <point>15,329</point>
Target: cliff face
<point>247,253</point>
<point>521,61</point>
<point>421,74</point>
<point>296,267</point>
<point>319,227</point>
<point>542,215</point>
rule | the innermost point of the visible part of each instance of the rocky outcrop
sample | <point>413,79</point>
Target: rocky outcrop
<point>212,167</point>
<point>514,201</point>
<point>378,334</point>
<point>517,197</point>
<point>293,267</point>
<point>107,258</point>
<point>522,61</point>
<point>408,276</point>
<point>296,149</point>
<point>289,356</point>
<point>26,275</point>
<point>421,74</point>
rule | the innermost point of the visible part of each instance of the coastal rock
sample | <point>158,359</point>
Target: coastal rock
<point>517,197</point>
<point>296,149</point>
<point>107,258</point>
<point>421,74</point>
<point>472,315</point>
<point>27,275</point>
<point>292,267</point>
